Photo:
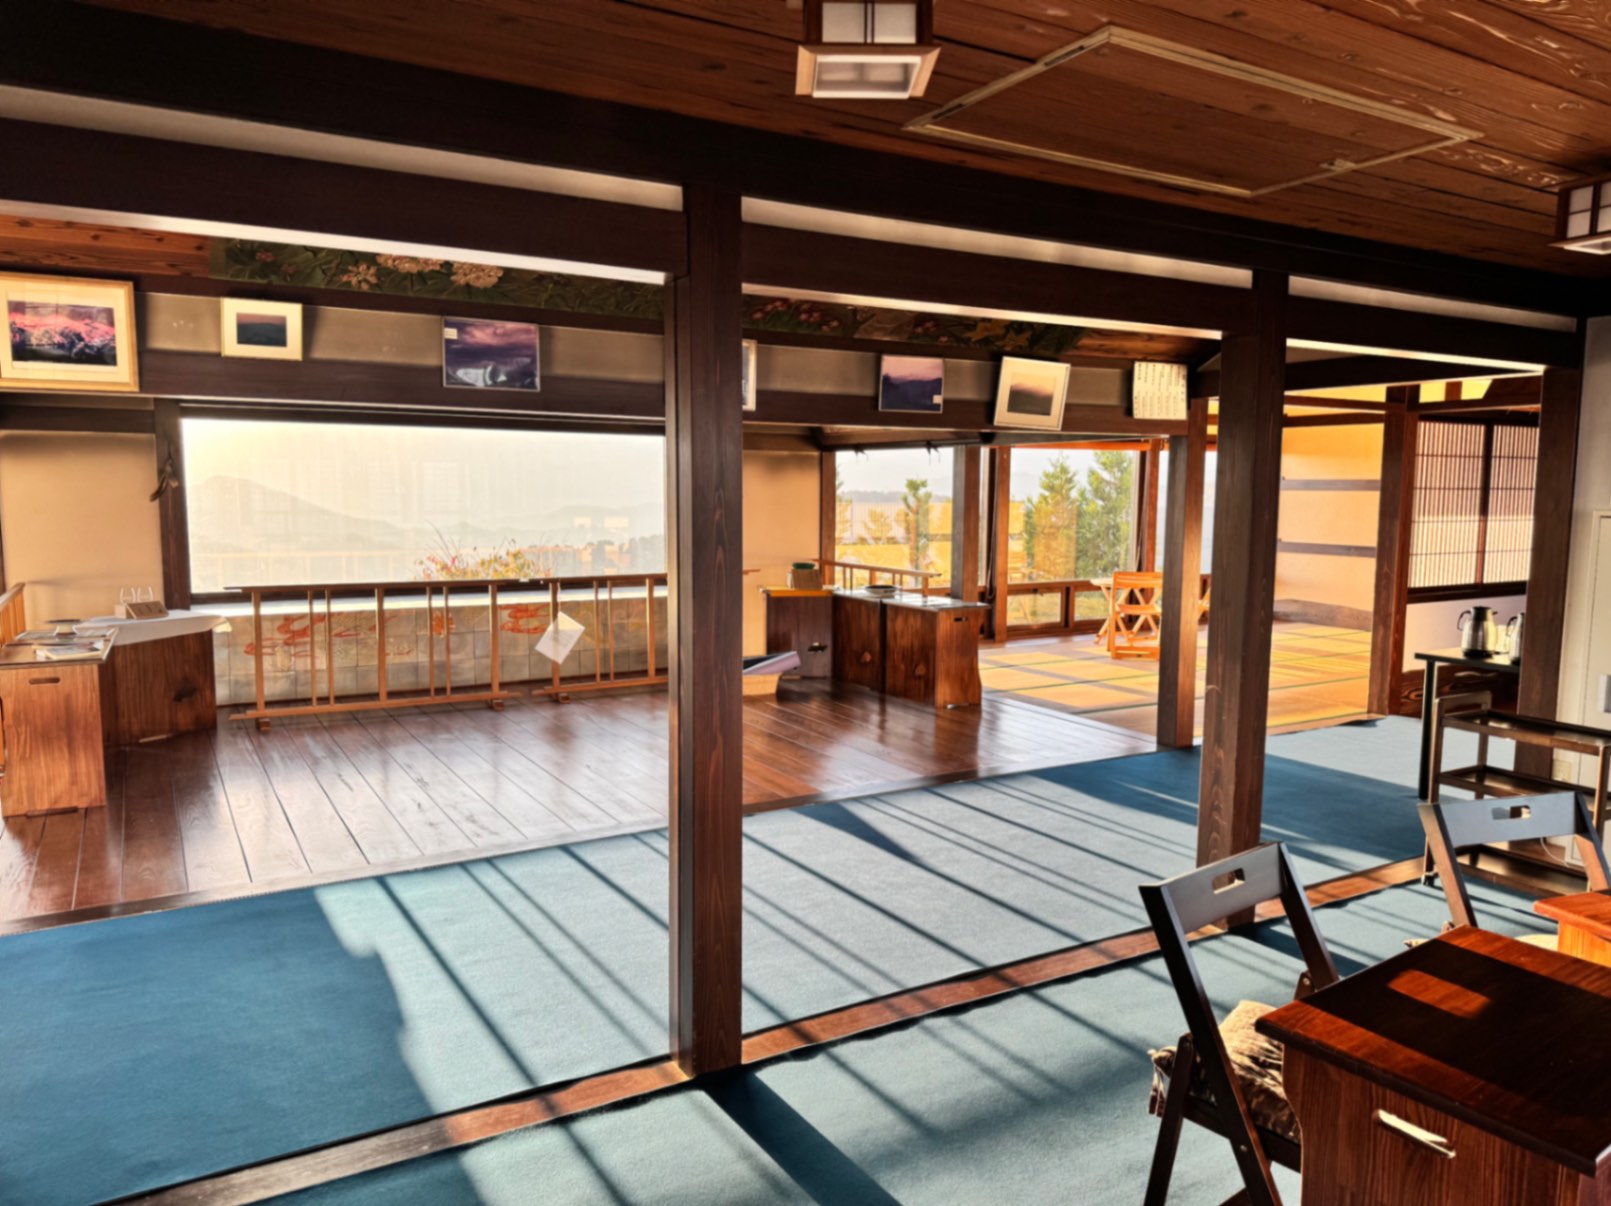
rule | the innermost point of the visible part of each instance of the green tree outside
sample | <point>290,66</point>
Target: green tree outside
<point>1105,505</point>
<point>1051,526</point>
<point>914,518</point>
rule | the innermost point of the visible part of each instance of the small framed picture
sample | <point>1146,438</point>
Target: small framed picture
<point>1031,393</point>
<point>912,383</point>
<point>67,333</point>
<point>485,353</point>
<point>748,366</point>
<point>262,330</point>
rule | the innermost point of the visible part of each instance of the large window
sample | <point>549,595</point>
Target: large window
<point>1473,518</point>
<point>894,509</point>
<point>274,503</point>
<point>1071,520</point>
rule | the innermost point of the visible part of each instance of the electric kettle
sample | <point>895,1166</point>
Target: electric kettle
<point>1479,631</point>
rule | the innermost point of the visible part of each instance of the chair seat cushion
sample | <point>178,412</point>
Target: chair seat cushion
<point>1257,1062</point>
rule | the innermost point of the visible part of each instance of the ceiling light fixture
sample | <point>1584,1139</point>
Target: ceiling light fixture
<point>1583,216</point>
<point>869,50</point>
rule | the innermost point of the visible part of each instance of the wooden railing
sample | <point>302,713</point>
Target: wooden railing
<point>13,618</point>
<point>845,572</point>
<point>323,697</point>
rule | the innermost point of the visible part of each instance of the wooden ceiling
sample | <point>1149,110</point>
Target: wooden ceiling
<point>1532,76</point>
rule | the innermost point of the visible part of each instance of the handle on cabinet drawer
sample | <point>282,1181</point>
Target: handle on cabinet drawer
<point>1416,1134</point>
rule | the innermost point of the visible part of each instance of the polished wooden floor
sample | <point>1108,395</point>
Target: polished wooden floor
<point>314,800</point>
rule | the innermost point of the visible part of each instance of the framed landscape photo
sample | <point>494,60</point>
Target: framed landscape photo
<point>915,384</point>
<point>1031,393</point>
<point>262,330</point>
<point>487,353</point>
<point>68,334</point>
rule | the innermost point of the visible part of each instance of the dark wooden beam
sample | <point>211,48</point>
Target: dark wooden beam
<point>1394,519</point>
<point>186,66</point>
<point>1183,560</point>
<point>1325,550</point>
<point>965,523</point>
<point>145,178</point>
<point>828,509</point>
<point>1437,334</point>
<point>1538,692</point>
<point>1337,419</point>
<point>1247,493</point>
<point>1348,372</point>
<point>1146,535</point>
<point>173,516</point>
<point>1000,527</point>
<point>705,479</point>
<point>50,414</point>
<point>861,410</point>
<point>781,259</point>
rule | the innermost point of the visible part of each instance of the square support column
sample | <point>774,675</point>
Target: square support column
<point>704,485</point>
<point>1246,501</point>
<point>965,523</point>
<point>1182,581</point>
<point>1394,518</point>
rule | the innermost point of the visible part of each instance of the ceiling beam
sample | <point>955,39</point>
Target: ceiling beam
<point>1321,321</point>
<point>861,410</point>
<point>1353,372</point>
<point>188,67</point>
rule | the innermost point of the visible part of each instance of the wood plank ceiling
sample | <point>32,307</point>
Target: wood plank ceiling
<point>1533,76</point>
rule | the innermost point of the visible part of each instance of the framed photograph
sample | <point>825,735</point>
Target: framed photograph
<point>747,372</point>
<point>486,353</point>
<point>911,383</point>
<point>262,330</point>
<point>1031,393</point>
<point>1158,390</point>
<point>69,334</point>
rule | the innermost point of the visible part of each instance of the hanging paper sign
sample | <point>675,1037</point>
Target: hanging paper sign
<point>556,644</point>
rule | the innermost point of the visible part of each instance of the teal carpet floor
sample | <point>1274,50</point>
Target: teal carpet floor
<point>146,1050</point>
<point>1040,1097</point>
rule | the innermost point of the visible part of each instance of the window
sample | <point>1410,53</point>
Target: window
<point>1072,519</point>
<point>894,509</point>
<point>1473,518</point>
<point>275,503</point>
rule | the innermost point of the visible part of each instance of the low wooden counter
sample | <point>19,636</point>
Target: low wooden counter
<point>801,621</point>
<point>925,649</point>
<point>1584,921</point>
<point>50,715</point>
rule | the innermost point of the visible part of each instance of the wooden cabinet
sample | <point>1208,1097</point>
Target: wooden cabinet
<point>158,688</point>
<point>931,653</point>
<point>50,737</point>
<point>801,621</point>
<point>858,640</point>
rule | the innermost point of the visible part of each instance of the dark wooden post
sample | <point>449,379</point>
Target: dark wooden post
<point>1393,523</point>
<point>1247,494</point>
<point>828,514</point>
<point>704,481</point>
<point>1183,579</point>
<point>1000,525</point>
<point>965,523</point>
<point>1539,689</point>
<point>173,519</point>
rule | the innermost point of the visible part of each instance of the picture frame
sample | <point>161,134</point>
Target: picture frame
<point>1031,393</point>
<point>748,372</point>
<point>490,353</point>
<point>261,330</point>
<point>68,333</point>
<point>911,384</point>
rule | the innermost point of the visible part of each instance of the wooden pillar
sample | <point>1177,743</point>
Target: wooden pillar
<point>704,480</point>
<point>1395,516</point>
<point>965,523</point>
<point>1538,692</point>
<point>1183,563</point>
<point>1248,491</point>
<point>828,513</point>
<point>1146,536</point>
<point>1000,523</point>
<point>173,519</point>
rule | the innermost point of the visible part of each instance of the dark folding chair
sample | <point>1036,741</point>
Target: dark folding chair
<point>1227,1077</point>
<point>1456,826</point>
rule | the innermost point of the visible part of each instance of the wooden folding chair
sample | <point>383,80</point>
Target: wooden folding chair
<point>1227,1077</point>
<point>1456,826</point>
<point>1136,617</point>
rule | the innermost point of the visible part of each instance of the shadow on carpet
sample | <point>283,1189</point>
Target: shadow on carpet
<point>180,1044</point>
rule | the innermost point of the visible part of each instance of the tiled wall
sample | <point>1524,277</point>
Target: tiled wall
<point>293,649</point>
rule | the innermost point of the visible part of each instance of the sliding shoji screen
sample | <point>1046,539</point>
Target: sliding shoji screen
<point>1473,518</point>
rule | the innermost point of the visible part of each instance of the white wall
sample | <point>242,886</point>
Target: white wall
<point>1593,493</point>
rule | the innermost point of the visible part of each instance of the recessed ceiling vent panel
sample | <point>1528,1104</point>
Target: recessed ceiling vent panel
<point>1125,102</point>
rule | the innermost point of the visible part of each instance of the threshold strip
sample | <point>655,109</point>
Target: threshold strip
<point>346,1158</point>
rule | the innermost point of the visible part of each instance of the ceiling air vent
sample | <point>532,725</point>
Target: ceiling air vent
<point>1139,106</point>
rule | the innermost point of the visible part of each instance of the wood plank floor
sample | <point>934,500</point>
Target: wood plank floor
<point>315,799</point>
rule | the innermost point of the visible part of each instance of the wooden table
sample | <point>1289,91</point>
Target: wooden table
<point>922,648</point>
<point>1470,1069</point>
<point>50,732</point>
<point>1584,922</point>
<point>1434,658</point>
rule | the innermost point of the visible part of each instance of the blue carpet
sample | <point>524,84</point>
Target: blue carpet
<point>147,1050</point>
<point>1040,1097</point>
